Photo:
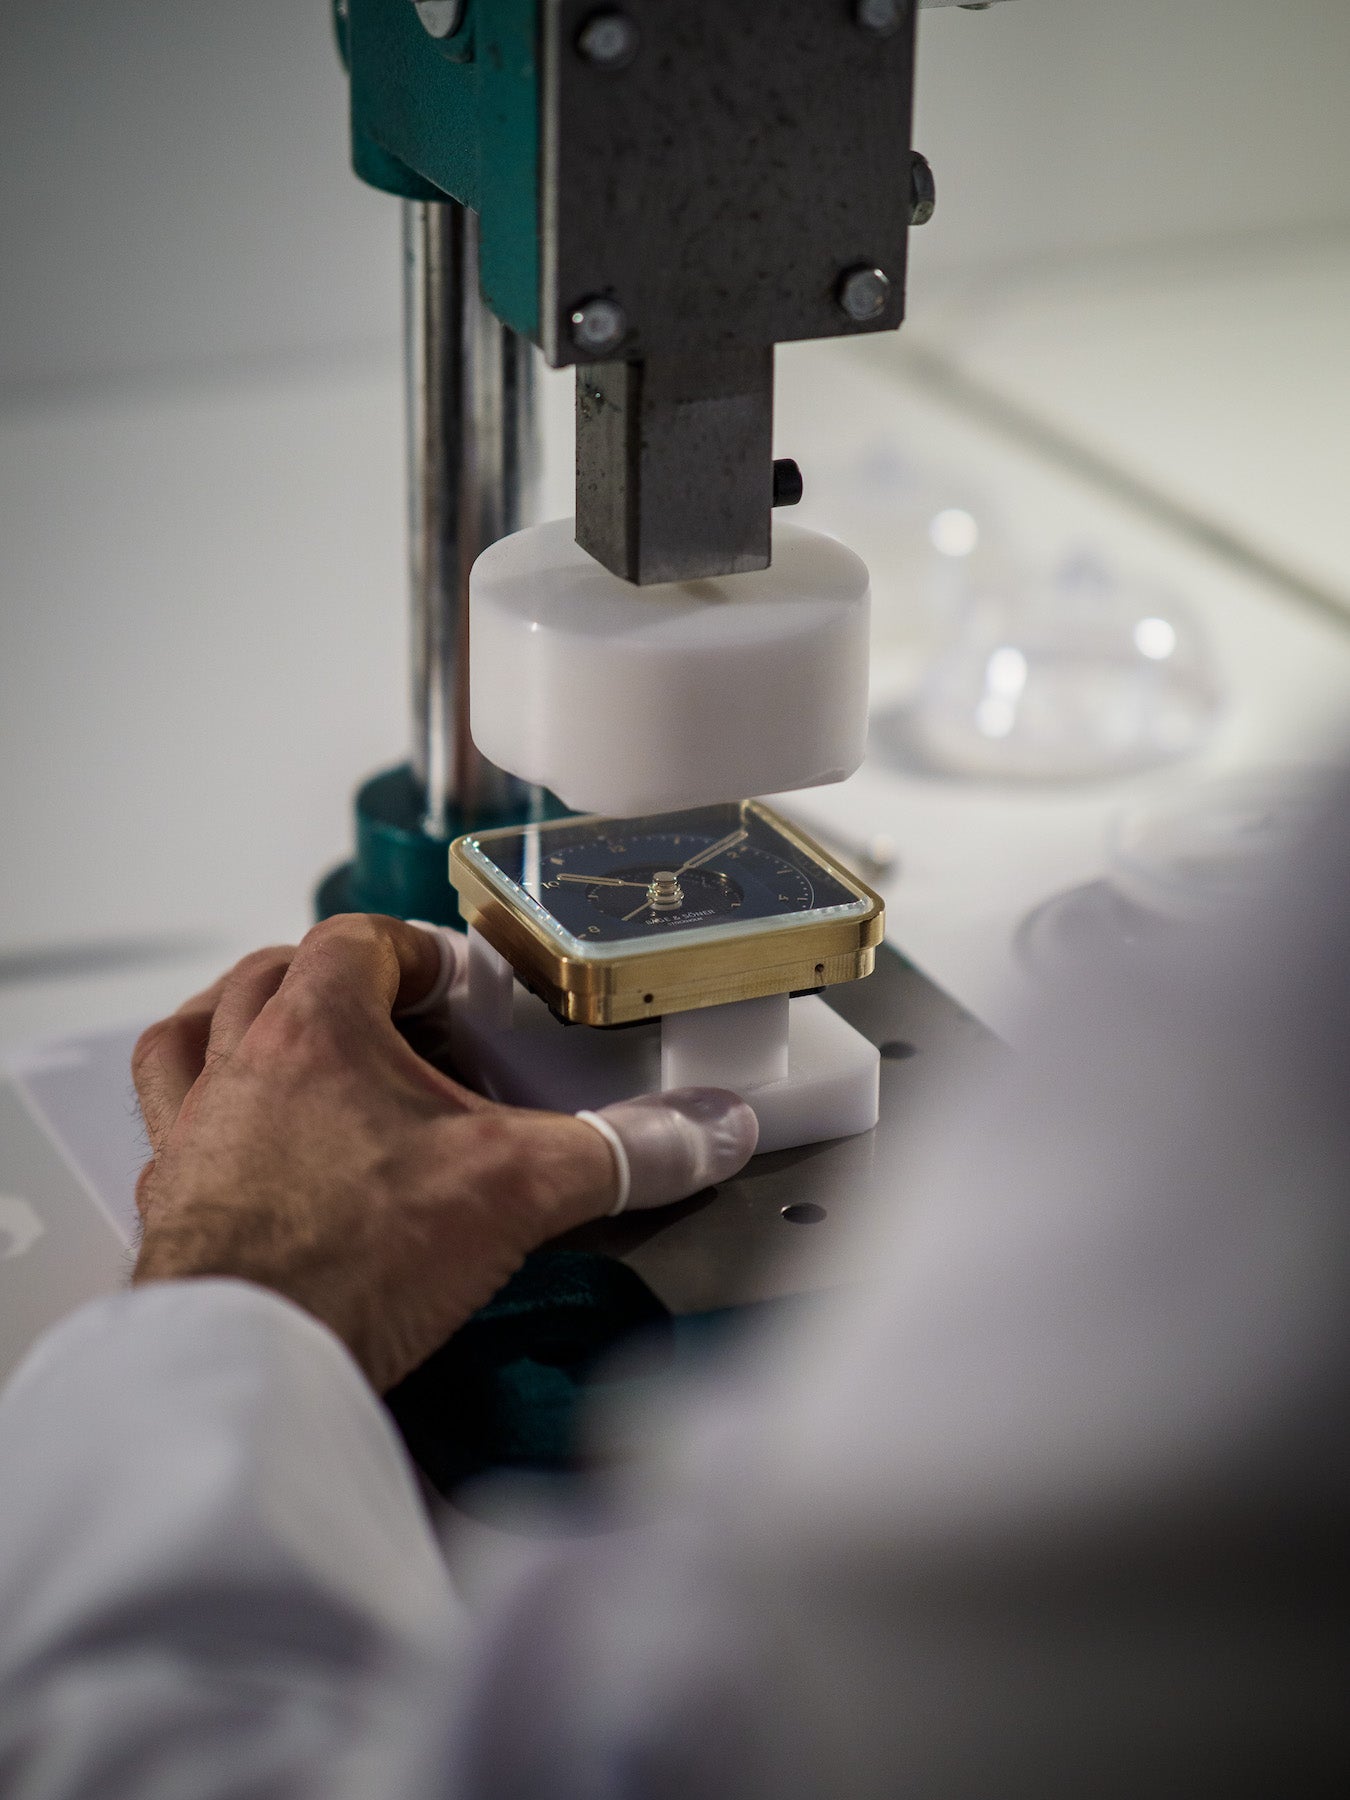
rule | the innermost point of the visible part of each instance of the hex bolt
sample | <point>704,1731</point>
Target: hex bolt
<point>922,190</point>
<point>863,293</point>
<point>881,17</point>
<point>609,40</point>
<point>597,325</point>
<point>788,486</point>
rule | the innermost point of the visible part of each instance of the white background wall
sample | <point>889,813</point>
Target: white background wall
<point>202,558</point>
<point>173,183</point>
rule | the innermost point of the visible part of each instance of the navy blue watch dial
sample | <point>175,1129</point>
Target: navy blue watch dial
<point>621,880</point>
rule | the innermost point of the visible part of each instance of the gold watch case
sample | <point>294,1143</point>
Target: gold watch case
<point>674,963</point>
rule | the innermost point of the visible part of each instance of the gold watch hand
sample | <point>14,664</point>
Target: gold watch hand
<point>601,881</point>
<point>636,910</point>
<point>729,842</point>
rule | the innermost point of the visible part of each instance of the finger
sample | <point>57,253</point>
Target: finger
<point>643,1152</point>
<point>144,1184</point>
<point>244,992</point>
<point>167,1059</point>
<point>557,1171</point>
<point>680,1142</point>
<point>452,947</point>
<point>169,1056</point>
<point>377,963</point>
<point>208,999</point>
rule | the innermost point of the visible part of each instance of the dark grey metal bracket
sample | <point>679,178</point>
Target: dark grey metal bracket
<point>717,179</point>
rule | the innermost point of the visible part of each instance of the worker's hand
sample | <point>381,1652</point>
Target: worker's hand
<point>299,1142</point>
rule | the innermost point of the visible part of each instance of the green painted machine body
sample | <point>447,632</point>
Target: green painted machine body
<point>455,116</point>
<point>400,867</point>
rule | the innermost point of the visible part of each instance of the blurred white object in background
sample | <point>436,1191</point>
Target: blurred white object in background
<point>1209,849</point>
<point>1079,675</point>
<point>1176,867</point>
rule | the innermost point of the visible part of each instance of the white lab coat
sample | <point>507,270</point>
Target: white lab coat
<point>1051,1508</point>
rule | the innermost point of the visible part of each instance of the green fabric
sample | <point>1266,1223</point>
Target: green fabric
<point>506,1391</point>
<point>509,1391</point>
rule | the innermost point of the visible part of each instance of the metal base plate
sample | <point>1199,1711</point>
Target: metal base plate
<point>772,1230</point>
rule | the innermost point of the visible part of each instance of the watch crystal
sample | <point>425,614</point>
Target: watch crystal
<point>611,884</point>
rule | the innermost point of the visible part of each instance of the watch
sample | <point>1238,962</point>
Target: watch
<point>612,921</point>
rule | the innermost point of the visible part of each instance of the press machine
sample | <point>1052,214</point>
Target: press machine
<point>657,192</point>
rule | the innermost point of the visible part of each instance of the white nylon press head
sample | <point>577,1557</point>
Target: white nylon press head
<point>625,700</point>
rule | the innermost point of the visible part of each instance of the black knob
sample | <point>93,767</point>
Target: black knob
<point>787,482</point>
<point>922,190</point>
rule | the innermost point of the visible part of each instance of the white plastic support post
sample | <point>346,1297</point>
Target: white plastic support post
<point>491,985</point>
<point>741,1046</point>
<point>807,1073</point>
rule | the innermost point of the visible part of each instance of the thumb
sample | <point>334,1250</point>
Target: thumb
<point>668,1146</point>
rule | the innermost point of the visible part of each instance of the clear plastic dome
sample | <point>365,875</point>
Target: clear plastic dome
<point>1082,675</point>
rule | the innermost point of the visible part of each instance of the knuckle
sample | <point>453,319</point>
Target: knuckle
<point>350,948</point>
<point>519,1163</point>
<point>294,1030</point>
<point>488,1135</point>
<point>305,1030</point>
<point>347,928</point>
<point>491,1146</point>
<point>149,1047</point>
<point>263,962</point>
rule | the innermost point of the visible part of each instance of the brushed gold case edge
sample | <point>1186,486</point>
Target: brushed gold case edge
<point>647,985</point>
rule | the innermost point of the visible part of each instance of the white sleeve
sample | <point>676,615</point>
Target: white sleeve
<point>1052,1504</point>
<point>214,1559</point>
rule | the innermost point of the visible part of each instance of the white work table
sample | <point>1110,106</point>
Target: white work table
<point>204,639</point>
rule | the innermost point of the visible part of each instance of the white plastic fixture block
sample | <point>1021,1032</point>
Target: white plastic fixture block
<point>806,1072</point>
<point>625,699</point>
